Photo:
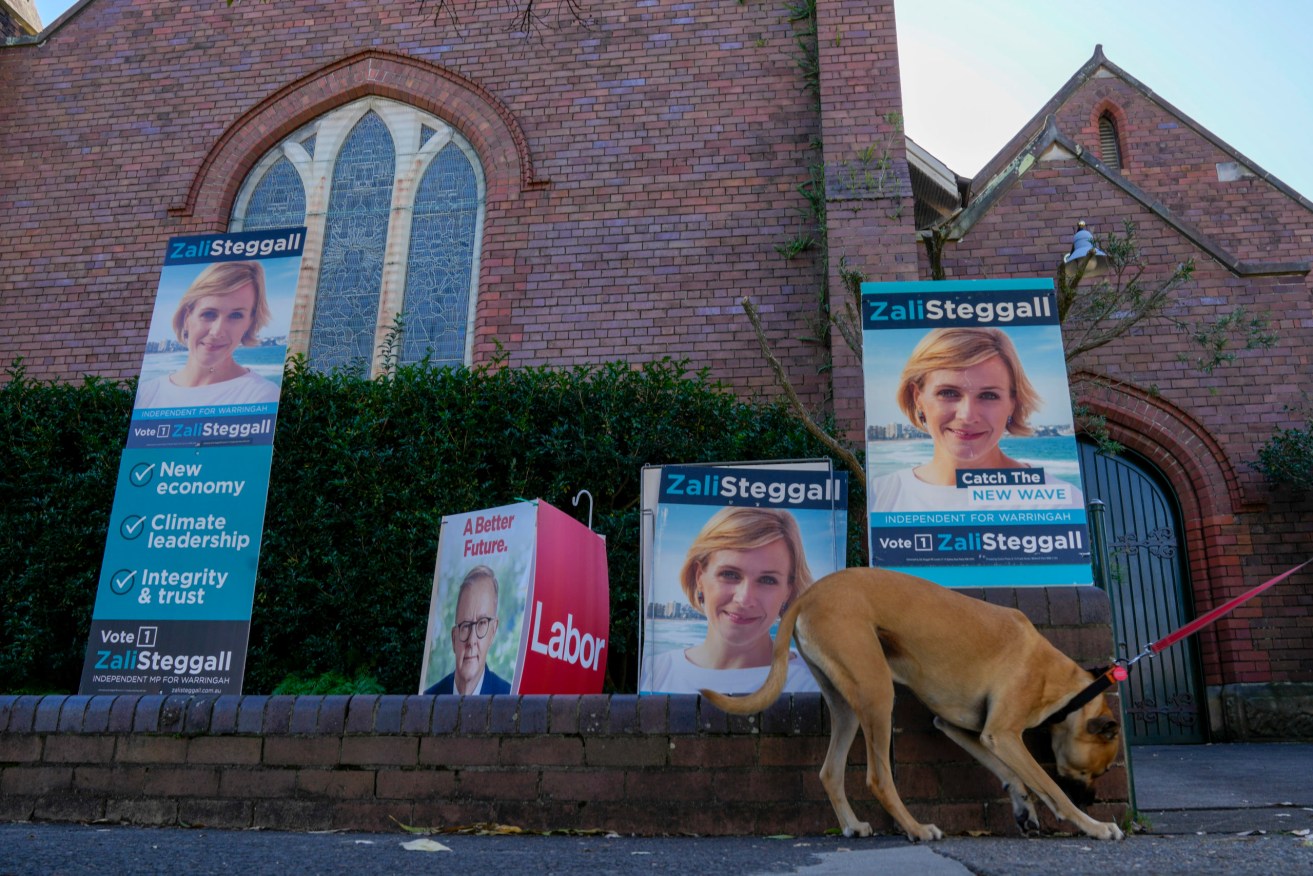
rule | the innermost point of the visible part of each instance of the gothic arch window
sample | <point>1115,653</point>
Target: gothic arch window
<point>1110,152</point>
<point>392,199</point>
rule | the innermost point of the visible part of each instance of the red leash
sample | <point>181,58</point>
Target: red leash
<point>1109,676</point>
<point>1200,622</point>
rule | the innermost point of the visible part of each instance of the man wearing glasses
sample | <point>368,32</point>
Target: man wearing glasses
<point>476,624</point>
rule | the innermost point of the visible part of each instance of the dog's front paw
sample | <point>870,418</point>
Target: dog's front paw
<point>1023,811</point>
<point>1106,830</point>
<point>859,828</point>
<point>925,833</point>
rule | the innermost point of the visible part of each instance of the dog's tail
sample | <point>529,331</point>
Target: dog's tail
<point>770,690</point>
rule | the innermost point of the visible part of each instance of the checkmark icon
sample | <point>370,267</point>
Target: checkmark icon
<point>132,526</point>
<point>141,473</point>
<point>121,581</point>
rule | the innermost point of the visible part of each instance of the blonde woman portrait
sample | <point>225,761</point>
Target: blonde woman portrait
<point>966,389</point>
<point>223,310</point>
<point>741,572</point>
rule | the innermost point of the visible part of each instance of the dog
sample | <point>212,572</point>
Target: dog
<point>982,669</point>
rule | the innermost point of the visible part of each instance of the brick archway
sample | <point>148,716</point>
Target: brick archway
<point>475,112</point>
<point>1205,484</point>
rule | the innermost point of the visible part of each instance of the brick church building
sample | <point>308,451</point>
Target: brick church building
<point>611,186</point>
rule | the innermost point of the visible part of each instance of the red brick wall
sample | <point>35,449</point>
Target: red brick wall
<point>643,765</point>
<point>869,210</point>
<point>641,170</point>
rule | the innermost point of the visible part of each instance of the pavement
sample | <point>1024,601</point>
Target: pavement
<point>1232,809</point>
<point>1225,788</point>
<point>1227,808</point>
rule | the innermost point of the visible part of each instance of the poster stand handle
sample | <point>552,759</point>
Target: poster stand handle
<point>590,505</point>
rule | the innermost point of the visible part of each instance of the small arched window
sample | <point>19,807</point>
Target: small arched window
<point>1110,151</point>
<point>392,199</point>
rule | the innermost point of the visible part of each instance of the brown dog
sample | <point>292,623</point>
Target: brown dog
<point>984,670</point>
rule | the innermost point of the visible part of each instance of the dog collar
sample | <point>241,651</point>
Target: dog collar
<point>1104,678</point>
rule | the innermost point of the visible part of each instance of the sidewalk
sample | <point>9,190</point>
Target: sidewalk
<point>1228,808</point>
<point>1224,788</point>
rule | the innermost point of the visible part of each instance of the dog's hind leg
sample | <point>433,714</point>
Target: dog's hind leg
<point>858,686</point>
<point>1023,801</point>
<point>843,729</point>
<point>877,728</point>
<point>875,716</point>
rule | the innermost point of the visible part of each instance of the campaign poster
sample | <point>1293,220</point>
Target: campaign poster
<point>520,604</point>
<point>973,475</point>
<point>730,547</point>
<point>482,578</point>
<point>564,647</point>
<point>173,603</point>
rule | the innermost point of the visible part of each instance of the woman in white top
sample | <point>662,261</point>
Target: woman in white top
<point>966,388</point>
<point>223,309</point>
<point>741,572</point>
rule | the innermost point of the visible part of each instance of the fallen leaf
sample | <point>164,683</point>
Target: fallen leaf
<point>422,831</point>
<point>424,845</point>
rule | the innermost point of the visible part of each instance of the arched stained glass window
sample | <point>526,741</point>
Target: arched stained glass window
<point>439,270</point>
<point>392,200</point>
<point>351,267</point>
<point>278,201</point>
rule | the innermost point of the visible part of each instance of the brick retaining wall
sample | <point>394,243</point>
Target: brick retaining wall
<point>631,764</point>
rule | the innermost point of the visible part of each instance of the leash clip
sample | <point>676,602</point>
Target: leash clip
<point>1120,668</point>
<point>1147,652</point>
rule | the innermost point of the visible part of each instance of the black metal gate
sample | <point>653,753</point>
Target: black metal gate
<point>1146,575</point>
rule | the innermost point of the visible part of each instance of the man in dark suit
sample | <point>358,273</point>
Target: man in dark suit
<point>476,624</point>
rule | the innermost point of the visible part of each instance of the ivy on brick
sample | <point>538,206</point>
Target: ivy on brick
<point>1287,457</point>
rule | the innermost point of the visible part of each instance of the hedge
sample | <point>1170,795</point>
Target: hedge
<point>364,470</point>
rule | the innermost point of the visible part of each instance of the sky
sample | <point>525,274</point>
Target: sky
<point>975,71</point>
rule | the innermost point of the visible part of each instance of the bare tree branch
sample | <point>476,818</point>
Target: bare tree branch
<point>526,16</point>
<point>529,18</point>
<point>795,404</point>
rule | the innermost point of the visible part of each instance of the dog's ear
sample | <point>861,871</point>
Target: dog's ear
<point>1103,727</point>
